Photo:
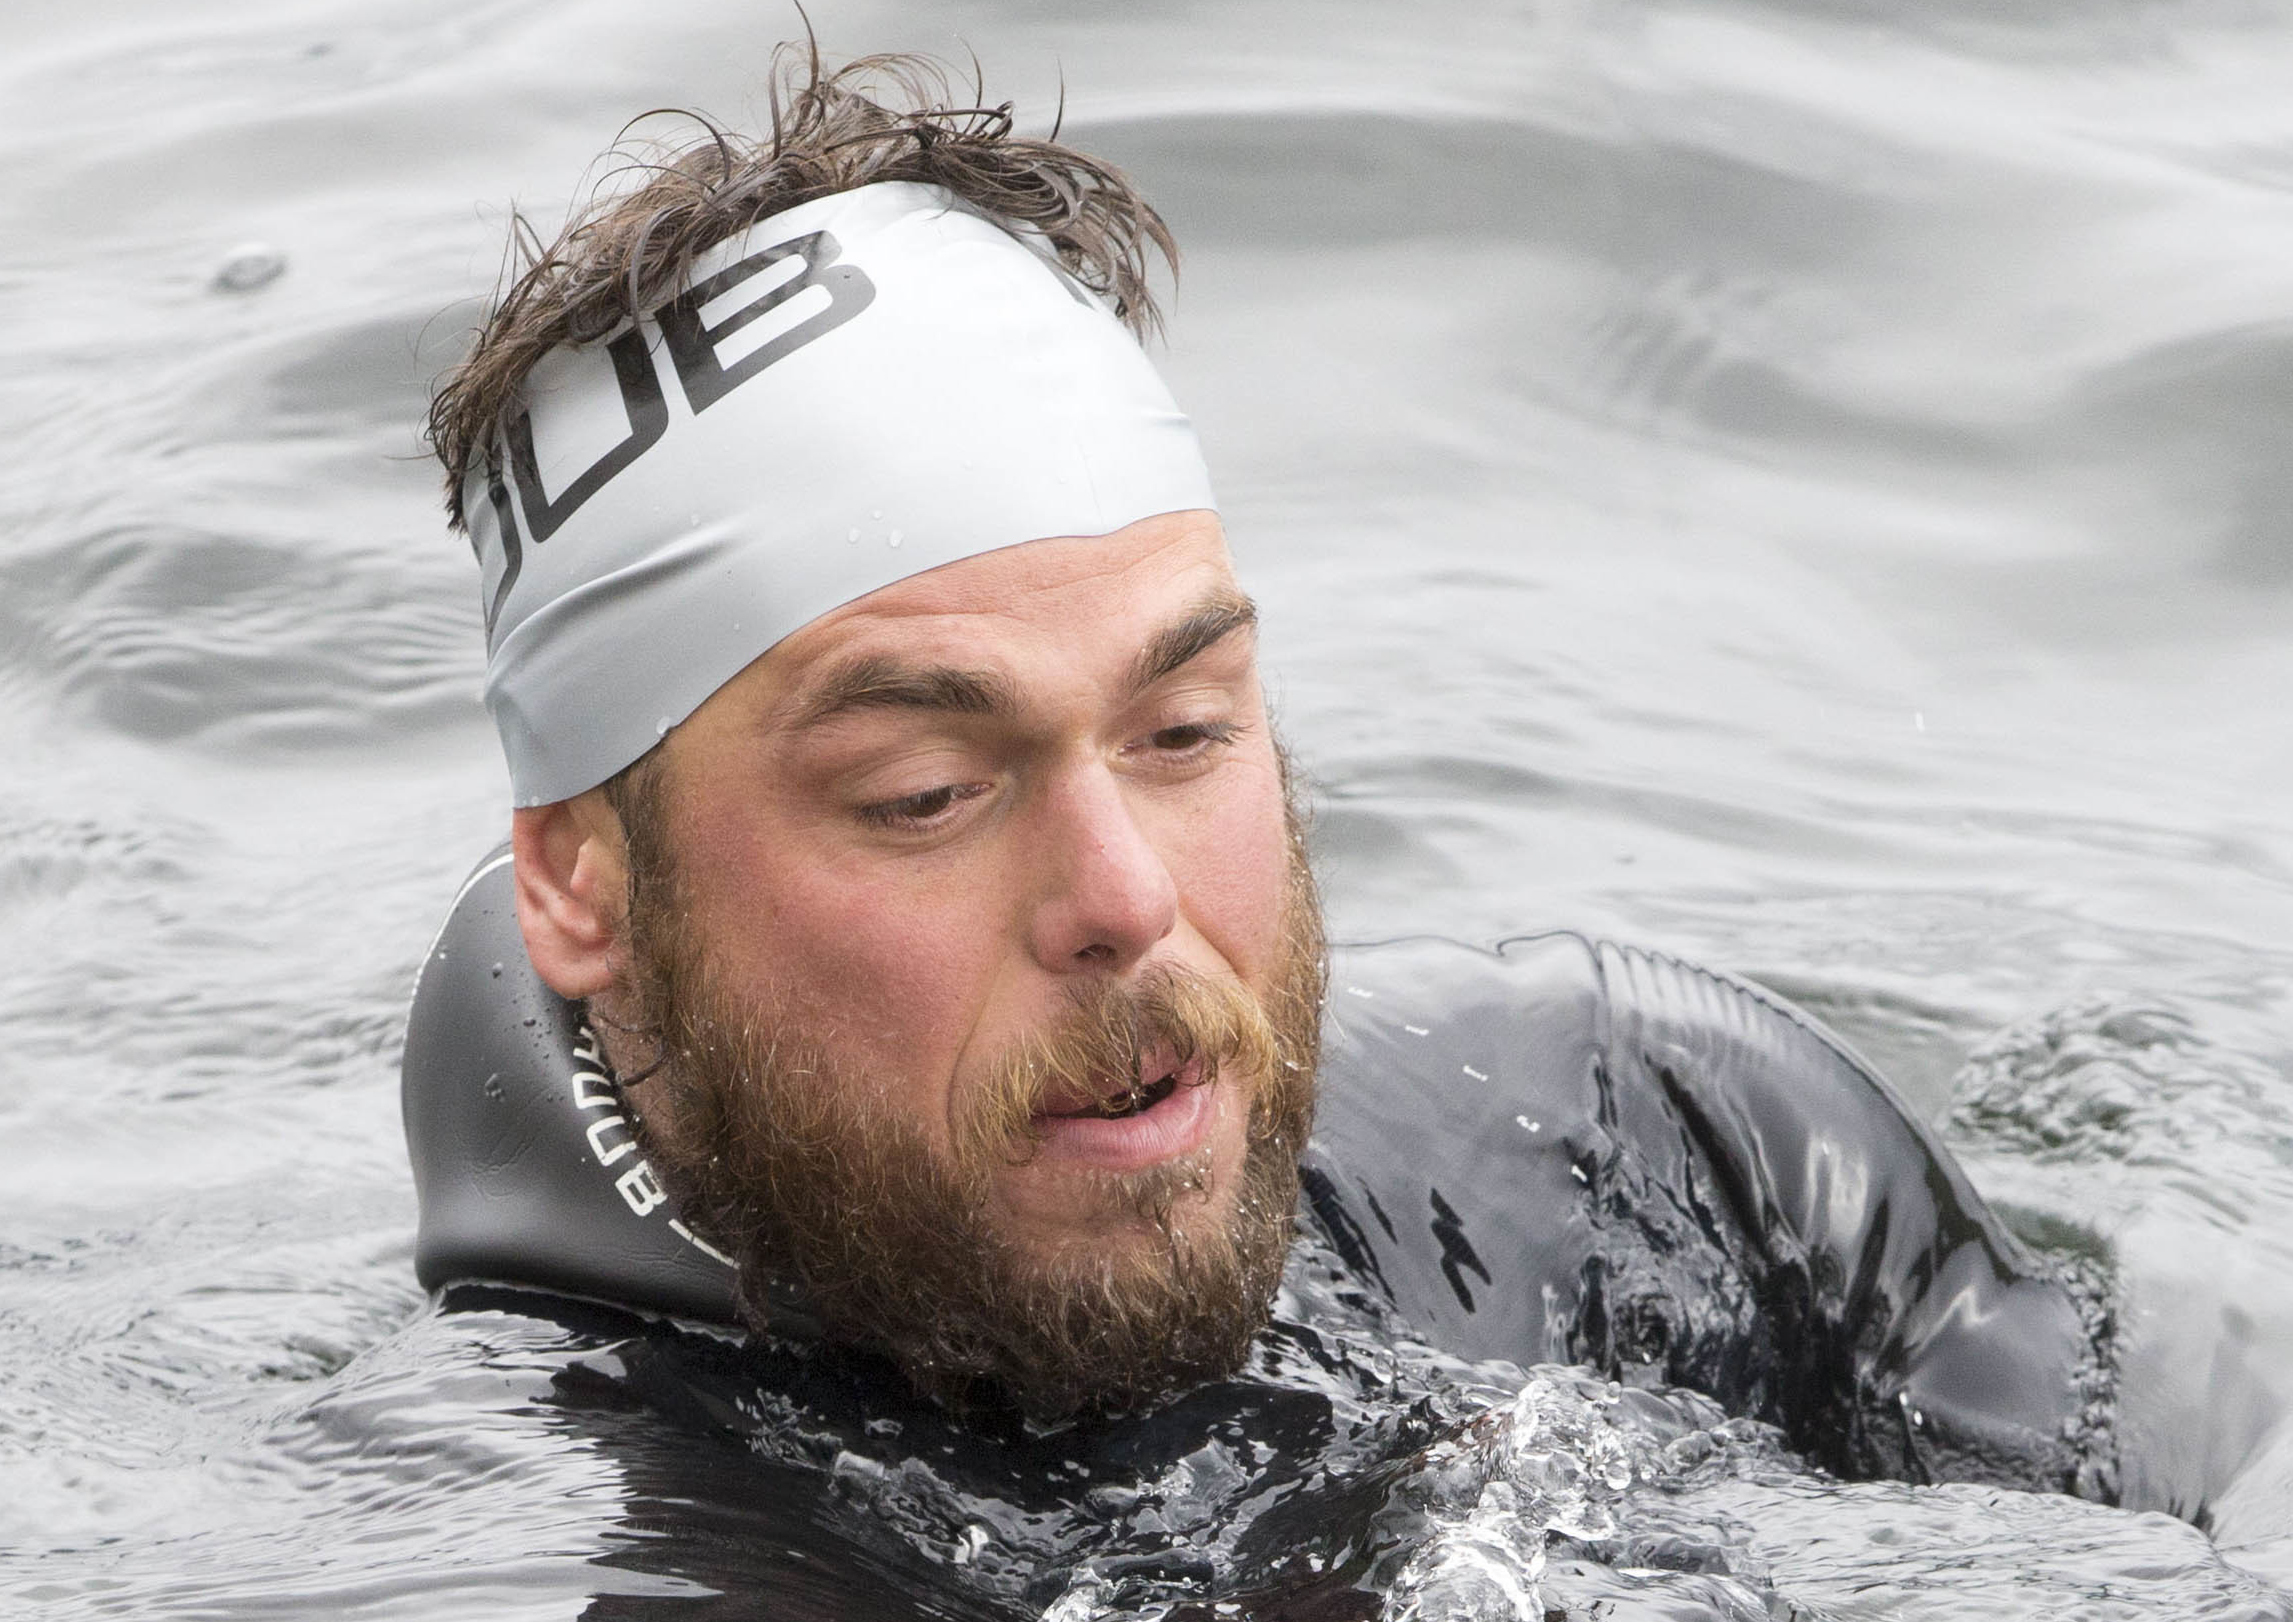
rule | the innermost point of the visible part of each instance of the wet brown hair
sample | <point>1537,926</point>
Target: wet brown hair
<point>890,117</point>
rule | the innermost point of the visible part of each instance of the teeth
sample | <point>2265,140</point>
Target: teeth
<point>1130,1103</point>
<point>1139,1098</point>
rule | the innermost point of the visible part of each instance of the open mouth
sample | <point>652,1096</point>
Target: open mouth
<point>1122,1106</point>
<point>1160,1072</point>
<point>1165,1113</point>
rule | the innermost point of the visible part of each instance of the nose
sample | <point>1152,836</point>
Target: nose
<point>1105,895</point>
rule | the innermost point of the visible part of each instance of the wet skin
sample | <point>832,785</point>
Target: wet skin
<point>913,825</point>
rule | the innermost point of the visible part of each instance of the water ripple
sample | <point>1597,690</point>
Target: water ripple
<point>173,631</point>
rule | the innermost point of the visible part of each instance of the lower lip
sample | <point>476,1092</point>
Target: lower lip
<point>1176,1126</point>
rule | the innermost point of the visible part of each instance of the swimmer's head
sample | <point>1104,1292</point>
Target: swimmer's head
<point>894,776</point>
<point>778,375</point>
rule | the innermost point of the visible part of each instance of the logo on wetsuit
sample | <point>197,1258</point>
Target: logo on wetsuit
<point>612,1140</point>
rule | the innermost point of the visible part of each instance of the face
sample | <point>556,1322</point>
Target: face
<point>984,968</point>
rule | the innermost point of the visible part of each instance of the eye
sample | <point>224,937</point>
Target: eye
<point>920,810</point>
<point>1193,738</point>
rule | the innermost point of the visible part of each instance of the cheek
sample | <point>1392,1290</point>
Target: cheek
<point>1231,862</point>
<point>884,967</point>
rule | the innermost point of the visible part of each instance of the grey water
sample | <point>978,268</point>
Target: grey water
<point>1806,486</point>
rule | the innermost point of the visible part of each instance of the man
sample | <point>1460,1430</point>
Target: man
<point>945,887</point>
<point>896,794</point>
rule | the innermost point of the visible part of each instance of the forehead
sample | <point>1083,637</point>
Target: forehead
<point>1077,602</point>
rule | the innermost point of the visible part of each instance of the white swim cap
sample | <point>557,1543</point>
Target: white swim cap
<point>861,388</point>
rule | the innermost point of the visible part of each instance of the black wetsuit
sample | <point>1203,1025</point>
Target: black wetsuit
<point>1557,1151</point>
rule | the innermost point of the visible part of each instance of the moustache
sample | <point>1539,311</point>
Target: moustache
<point>1119,1047</point>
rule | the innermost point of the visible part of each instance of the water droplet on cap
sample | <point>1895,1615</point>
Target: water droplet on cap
<point>661,727</point>
<point>248,266</point>
<point>895,537</point>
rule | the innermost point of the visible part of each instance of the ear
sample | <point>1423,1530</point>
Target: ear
<point>572,888</point>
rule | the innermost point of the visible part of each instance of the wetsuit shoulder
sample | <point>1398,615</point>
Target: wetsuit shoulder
<point>1459,1099</point>
<point>1604,1155</point>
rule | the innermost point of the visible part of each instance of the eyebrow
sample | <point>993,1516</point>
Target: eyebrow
<point>1215,618</point>
<point>878,683</point>
<point>887,684</point>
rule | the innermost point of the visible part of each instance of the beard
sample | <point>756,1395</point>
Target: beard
<point>786,1159</point>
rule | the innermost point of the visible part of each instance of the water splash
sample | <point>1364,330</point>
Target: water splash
<point>1555,1471</point>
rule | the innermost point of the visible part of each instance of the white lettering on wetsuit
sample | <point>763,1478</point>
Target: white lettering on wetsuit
<point>612,1140</point>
